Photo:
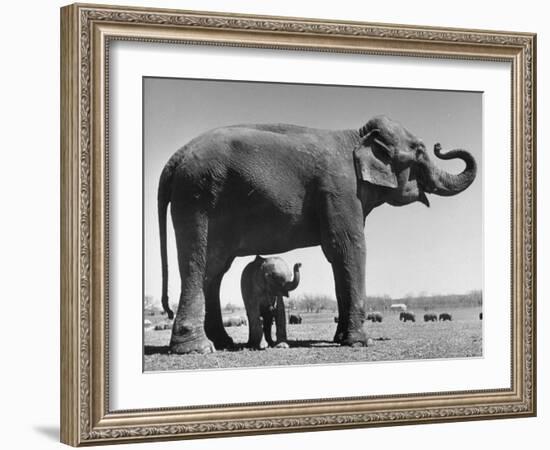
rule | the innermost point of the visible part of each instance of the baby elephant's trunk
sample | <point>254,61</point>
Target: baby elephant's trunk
<point>291,285</point>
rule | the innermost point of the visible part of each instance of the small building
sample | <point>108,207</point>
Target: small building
<point>397,307</point>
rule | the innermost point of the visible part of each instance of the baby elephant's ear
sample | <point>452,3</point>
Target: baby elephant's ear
<point>373,162</point>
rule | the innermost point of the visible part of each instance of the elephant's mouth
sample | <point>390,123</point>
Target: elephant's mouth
<point>422,197</point>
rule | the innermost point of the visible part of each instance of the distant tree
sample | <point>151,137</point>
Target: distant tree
<point>148,302</point>
<point>316,303</point>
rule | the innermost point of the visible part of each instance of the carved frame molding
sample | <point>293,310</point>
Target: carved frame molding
<point>86,31</point>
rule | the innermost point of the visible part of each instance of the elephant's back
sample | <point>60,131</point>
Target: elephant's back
<point>265,140</point>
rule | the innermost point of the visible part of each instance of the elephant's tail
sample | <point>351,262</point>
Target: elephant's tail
<point>163,199</point>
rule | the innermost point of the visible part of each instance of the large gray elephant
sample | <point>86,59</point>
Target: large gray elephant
<point>264,283</point>
<point>265,189</point>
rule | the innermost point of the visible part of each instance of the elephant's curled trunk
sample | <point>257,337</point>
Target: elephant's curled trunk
<point>447,184</point>
<point>291,285</point>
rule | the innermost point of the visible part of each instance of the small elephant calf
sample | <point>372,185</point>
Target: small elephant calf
<point>264,283</point>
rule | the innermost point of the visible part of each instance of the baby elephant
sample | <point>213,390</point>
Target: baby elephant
<point>264,283</point>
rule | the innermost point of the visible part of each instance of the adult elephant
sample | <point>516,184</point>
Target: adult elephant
<point>264,283</point>
<point>264,189</point>
<point>445,316</point>
<point>430,317</point>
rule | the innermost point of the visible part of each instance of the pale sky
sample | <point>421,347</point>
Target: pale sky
<point>410,249</point>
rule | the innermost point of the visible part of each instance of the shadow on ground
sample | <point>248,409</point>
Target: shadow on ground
<point>165,349</point>
<point>51,432</point>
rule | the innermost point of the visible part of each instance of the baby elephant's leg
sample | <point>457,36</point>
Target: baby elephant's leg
<point>267,317</point>
<point>280,323</point>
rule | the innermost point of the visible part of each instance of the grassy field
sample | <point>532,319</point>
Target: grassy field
<point>311,343</point>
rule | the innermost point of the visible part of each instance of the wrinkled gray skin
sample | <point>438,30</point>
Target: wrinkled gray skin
<point>264,283</point>
<point>266,189</point>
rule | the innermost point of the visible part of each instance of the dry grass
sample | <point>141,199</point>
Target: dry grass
<point>311,343</point>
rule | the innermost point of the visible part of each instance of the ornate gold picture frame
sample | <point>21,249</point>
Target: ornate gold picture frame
<point>87,32</point>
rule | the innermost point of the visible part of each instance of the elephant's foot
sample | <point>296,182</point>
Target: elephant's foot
<point>338,337</point>
<point>217,334</point>
<point>281,345</point>
<point>225,343</point>
<point>357,338</point>
<point>197,343</point>
<point>261,346</point>
<point>222,341</point>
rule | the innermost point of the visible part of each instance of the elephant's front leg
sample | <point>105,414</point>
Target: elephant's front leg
<point>346,251</point>
<point>280,323</point>
<point>349,276</point>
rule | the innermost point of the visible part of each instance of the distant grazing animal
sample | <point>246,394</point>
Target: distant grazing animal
<point>430,317</point>
<point>234,321</point>
<point>445,316</point>
<point>480,316</point>
<point>295,319</point>
<point>407,315</point>
<point>374,316</point>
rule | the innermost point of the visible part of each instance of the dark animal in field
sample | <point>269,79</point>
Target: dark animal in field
<point>264,283</point>
<point>374,317</point>
<point>234,321</point>
<point>270,188</point>
<point>407,316</point>
<point>445,316</point>
<point>295,319</point>
<point>430,317</point>
<point>480,316</point>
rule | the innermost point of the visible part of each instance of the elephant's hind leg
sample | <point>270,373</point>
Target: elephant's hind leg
<point>188,335</point>
<point>213,322</point>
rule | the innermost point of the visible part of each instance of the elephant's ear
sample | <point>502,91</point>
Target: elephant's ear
<point>373,163</point>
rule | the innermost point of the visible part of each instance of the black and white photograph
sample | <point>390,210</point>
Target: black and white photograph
<point>298,224</point>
